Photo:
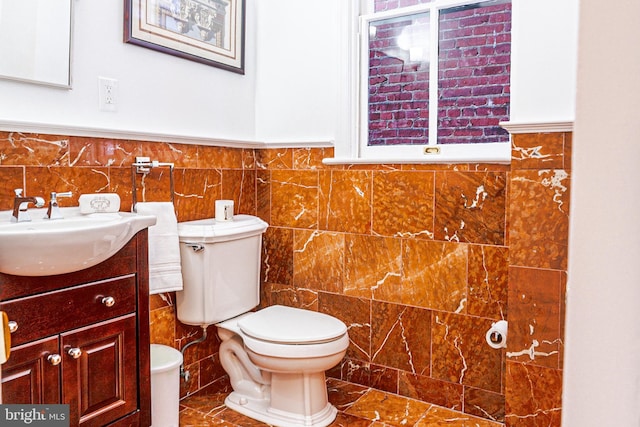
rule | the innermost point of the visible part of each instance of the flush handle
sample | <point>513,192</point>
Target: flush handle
<point>74,352</point>
<point>197,247</point>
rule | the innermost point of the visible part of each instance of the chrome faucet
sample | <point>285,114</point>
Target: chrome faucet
<point>53,211</point>
<point>21,204</point>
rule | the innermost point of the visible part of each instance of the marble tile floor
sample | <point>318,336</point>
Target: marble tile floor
<point>358,406</point>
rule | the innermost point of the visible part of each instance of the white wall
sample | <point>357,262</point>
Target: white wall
<point>158,93</point>
<point>602,359</point>
<point>296,88</point>
<point>543,62</point>
<point>287,96</point>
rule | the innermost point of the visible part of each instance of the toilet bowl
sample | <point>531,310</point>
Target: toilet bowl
<point>276,359</point>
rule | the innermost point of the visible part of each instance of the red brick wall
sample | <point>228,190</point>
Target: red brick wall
<point>474,80</point>
<point>398,91</point>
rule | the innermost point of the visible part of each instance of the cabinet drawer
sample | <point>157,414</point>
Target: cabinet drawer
<point>52,312</point>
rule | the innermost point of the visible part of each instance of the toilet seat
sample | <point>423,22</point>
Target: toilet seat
<point>289,332</point>
<point>296,351</point>
<point>288,325</point>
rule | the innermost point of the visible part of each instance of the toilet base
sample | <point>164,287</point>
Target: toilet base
<point>260,409</point>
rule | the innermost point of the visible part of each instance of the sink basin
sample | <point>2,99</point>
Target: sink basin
<point>44,247</point>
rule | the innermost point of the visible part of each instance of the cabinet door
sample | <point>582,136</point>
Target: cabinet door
<point>99,372</point>
<point>30,376</point>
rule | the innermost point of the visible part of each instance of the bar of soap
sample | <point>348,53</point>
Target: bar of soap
<point>99,203</point>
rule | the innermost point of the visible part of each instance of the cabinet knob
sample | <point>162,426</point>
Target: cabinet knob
<point>108,301</point>
<point>74,352</point>
<point>13,326</point>
<point>54,359</point>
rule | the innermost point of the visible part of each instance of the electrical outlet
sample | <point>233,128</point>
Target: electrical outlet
<point>108,94</point>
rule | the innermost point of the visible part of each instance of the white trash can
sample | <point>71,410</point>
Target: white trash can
<point>165,386</point>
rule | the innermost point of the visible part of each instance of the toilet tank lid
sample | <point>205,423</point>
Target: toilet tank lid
<point>209,230</point>
<point>283,324</point>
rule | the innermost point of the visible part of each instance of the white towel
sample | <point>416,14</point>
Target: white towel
<point>165,273</point>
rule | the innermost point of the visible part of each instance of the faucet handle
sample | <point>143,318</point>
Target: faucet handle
<point>54,195</point>
<point>53,212</point>
<point>21,203</point>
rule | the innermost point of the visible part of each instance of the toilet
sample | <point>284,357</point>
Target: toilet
<point>276,357</point>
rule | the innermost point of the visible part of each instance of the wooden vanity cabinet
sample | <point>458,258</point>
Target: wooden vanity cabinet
<point>83,340</point>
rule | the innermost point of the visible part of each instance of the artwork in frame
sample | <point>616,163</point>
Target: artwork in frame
<point>207,31</point>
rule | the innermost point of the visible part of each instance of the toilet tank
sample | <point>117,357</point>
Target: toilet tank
<point>220,268</point>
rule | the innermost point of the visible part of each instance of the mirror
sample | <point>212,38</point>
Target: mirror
<point>35,41</point>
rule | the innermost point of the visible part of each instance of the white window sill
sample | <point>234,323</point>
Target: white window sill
<point>498,153</point>
<point>391,160</point>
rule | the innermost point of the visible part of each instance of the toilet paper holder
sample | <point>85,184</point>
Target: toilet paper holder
<point>497,334</point>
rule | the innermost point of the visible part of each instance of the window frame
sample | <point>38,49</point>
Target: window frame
<point>431,152</point>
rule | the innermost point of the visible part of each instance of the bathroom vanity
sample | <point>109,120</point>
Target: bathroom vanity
<point>82,339</point>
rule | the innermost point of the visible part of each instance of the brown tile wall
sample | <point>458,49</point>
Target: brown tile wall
<point>418,260</point>
<point>540,186</point>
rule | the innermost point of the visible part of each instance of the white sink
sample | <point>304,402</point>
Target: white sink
<point>44,247</point>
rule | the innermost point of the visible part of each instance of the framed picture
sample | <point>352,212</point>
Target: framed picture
<point>207,31</point>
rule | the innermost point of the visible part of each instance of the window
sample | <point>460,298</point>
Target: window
<point>434,81</point>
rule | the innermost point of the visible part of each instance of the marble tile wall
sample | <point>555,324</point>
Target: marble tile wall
<point>414,259</point>
<point>44,163</point>
<point>418,260</point>
<point>540,186</point>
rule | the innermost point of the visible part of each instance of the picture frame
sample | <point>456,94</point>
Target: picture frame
<point>210,32</point>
